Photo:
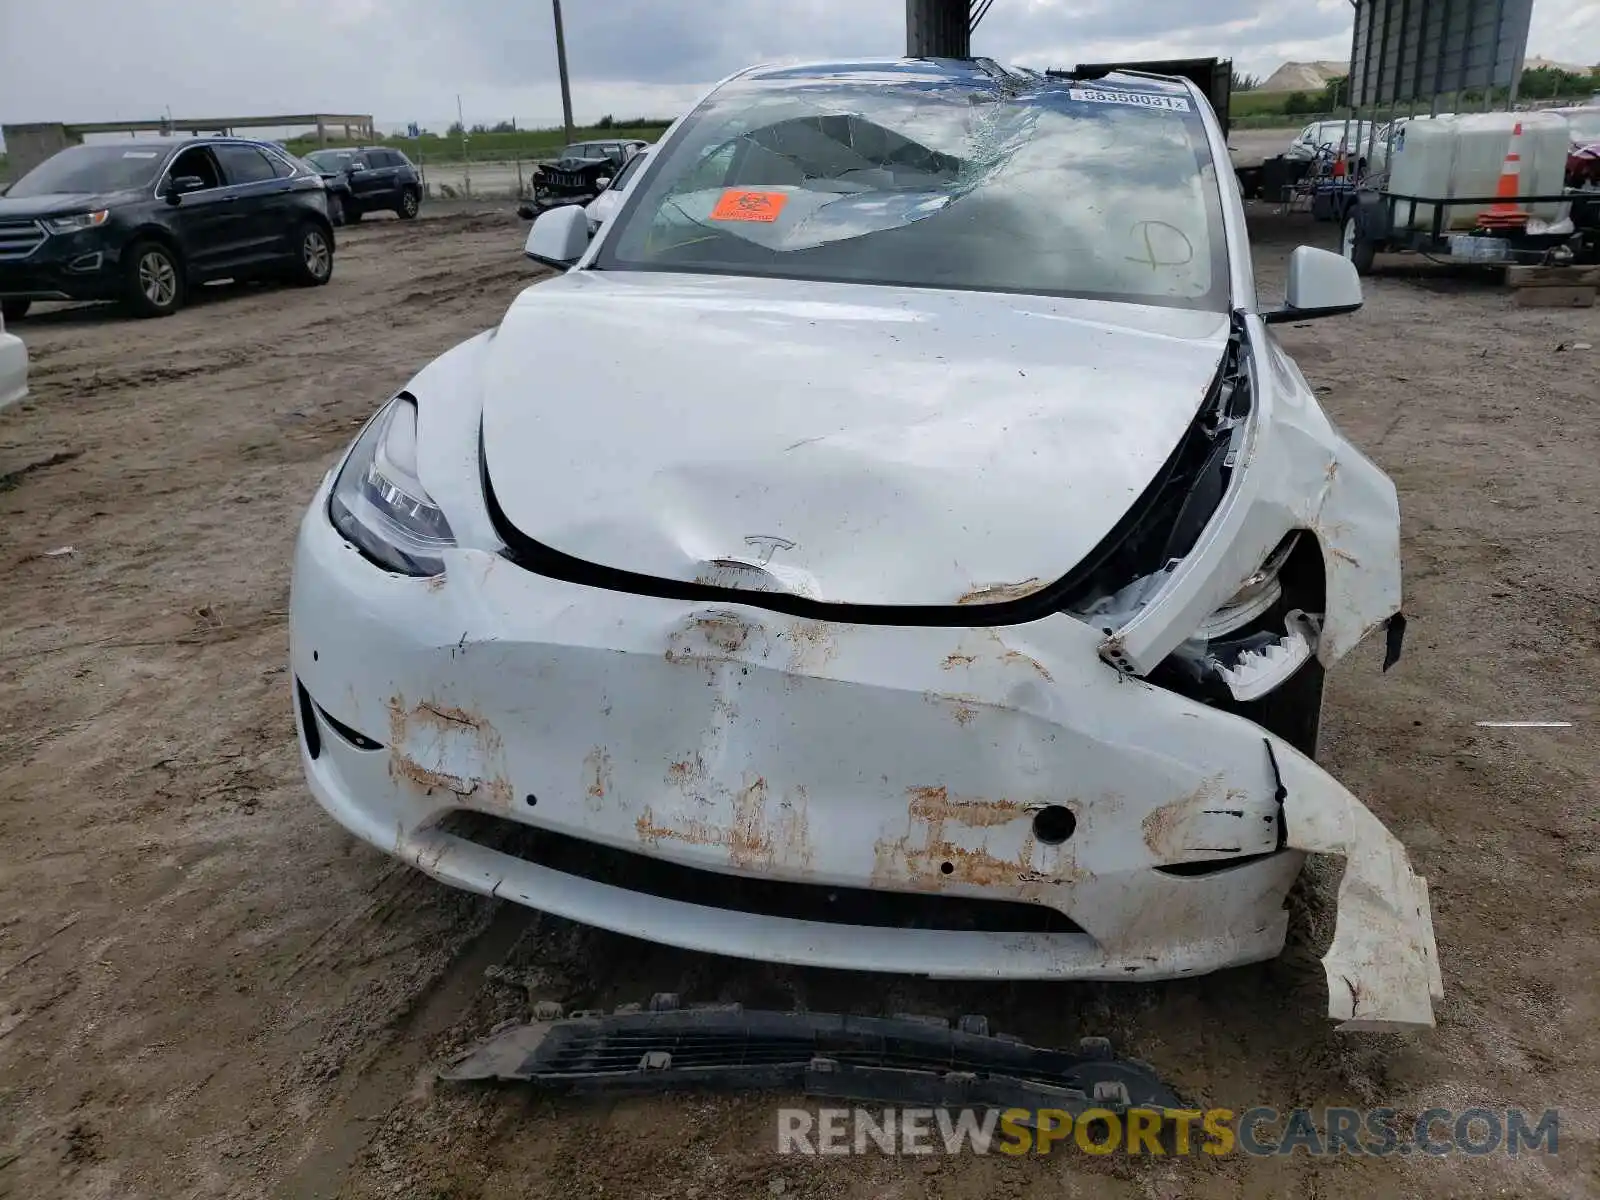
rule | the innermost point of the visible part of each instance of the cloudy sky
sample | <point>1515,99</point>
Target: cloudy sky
<point>407,60</point>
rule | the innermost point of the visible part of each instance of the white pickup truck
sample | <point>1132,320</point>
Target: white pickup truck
<point>13,367</point>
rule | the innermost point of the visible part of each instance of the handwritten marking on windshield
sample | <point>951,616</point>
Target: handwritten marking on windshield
<point>1143,231</point>
<point>737,204</point>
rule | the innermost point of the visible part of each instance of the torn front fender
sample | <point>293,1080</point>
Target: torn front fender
<point>1383,966</point>
<point>1294,471</point>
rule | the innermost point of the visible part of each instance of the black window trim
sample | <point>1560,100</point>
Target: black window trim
<point>166,169</point>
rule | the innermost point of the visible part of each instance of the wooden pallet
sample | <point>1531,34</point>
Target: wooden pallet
<point>1554,287</point>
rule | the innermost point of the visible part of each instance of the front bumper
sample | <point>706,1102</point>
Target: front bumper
<point>739,742</point>
<point>564,192</point>
<point>74,266</point>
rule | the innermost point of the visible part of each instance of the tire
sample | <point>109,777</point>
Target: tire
<point>1294,710</point>
<point>352,215</point>
<point>154,283</point>
<point>14,310</point>
<point>1359,249</point>
<point>410,205</point>
<point>336,208</point>
<point>313,256</point>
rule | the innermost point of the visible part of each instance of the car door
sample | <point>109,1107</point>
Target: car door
<point>367,182</point>
<point>385,166</point>
<point>261,200</point>
<point>206,222</point>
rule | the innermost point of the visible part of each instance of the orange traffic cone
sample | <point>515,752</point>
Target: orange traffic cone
<point>1503,213</point>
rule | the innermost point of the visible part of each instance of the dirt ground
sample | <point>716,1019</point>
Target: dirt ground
<point>207,989</point>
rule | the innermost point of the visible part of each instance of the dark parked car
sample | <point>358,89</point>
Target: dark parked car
<point>368,179</point>
<point>583,171</point>
<point>142,221</point>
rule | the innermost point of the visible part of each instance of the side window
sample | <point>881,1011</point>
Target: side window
<point>378,159</point>
<point>281,167</point>
<point>196,161</point>
<point>244,164</point>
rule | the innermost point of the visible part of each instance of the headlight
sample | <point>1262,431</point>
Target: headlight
<point>379,504</point>
<point>1255,595</point>
<point>73,224</point>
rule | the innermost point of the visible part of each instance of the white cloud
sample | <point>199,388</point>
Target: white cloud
<point>407,60</point>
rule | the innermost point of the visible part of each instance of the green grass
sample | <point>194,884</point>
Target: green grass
<point>491,147</point>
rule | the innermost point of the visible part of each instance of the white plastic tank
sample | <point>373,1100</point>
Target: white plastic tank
<point>1464,155</point>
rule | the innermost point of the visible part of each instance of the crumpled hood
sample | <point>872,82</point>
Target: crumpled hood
<point>848,443</point>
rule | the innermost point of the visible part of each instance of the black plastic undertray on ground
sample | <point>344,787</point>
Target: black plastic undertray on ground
<point>902,1060</point>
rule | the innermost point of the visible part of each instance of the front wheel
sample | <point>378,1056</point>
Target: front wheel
<point>15,310</point>
<point>154,283</point>
<point>409,206</point>
<point>1361,251</point>
<point>313,257</point>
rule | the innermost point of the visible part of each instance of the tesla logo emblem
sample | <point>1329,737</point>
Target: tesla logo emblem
<point>767,547</point>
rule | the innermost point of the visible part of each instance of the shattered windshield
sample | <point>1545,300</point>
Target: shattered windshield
<point>1013,185</point>
<point>587,150</point>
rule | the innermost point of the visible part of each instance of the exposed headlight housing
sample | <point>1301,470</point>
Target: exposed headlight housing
<point>74,223</point>
<point>379,504</point>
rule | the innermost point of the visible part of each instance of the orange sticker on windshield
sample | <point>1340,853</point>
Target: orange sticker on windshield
<point>739,205</point>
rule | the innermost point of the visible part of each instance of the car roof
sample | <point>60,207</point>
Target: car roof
<point>181,143</point>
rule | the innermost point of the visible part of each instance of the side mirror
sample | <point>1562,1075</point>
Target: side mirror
<point>182,185</point>
<point>559,237</point>
<point>1321,284</point>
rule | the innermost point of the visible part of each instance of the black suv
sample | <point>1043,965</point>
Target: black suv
<point>368,179</point>
<point>584,170</point>
<point>141,221</point>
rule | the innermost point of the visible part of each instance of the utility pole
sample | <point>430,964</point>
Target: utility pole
<point>561,63</point>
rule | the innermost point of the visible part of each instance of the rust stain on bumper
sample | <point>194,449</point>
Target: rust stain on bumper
<point>928,858</point>
<point>596,777</point>
<point>766,829</point>
<point>427,740</point>
<point>1209,818</point>
<point>999,593</point>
